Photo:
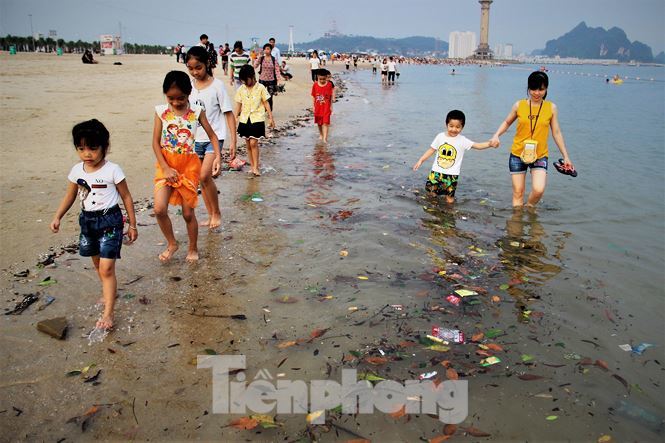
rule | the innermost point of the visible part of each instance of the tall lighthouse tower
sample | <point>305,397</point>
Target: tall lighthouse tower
<point>483,52</point>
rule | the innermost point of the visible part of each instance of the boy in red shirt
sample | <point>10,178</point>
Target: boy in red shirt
<point>323,94</point>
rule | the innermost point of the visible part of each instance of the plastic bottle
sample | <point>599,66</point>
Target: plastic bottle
<point>641,415</point>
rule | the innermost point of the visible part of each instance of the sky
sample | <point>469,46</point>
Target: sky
<point>527,24</point>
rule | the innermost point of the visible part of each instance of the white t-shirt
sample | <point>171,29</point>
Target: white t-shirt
<point>215,101</point>
<point>392,66</point>
<point>449,153</point>
<point>97,190</point>
<point>314,62</point>
<point>384,67</point>
<point>277,54</point>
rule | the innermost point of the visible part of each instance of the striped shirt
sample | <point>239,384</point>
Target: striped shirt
<point>237,61</point>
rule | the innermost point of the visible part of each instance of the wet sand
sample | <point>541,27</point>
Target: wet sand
<point>287,249</point>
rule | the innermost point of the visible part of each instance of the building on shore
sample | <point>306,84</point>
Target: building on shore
<point>461,44</point>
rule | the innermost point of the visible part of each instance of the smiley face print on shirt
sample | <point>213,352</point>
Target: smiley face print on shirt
<point>446,155</point>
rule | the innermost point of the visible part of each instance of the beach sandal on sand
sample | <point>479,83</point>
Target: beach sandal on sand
<point>561,167</point>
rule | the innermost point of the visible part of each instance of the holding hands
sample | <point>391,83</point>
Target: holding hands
<point>494,142</point>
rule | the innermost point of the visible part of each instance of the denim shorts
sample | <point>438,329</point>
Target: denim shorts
<point>101,233</point>
<point>203,148</point>
<point>517,166</point>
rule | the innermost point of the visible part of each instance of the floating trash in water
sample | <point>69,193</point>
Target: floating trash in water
<point>639,349</point>
<point>23,304</point>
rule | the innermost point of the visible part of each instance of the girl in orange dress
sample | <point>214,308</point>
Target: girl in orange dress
<point>178,167</point>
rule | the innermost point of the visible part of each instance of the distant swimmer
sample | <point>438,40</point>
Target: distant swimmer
<point>452,72</point>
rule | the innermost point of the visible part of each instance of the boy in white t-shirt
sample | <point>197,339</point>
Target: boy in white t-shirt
<point>100,185</point>
<point>449,147</point>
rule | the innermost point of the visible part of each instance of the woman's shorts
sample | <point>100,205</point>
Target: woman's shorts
<point>384,72</point>
<point>252,130</point>
<point>101,233</point>
<point>204,148</point>
<point>517,166</point>
<point>441,184</point>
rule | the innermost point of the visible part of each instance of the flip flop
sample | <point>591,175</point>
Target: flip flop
<point>559,165</point>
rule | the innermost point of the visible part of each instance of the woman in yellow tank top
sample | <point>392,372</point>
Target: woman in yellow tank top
<point>535,117</point>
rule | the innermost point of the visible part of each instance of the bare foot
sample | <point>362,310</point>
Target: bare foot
<point>256,173</point>
<point>205,223</point>
<point>168,253</point>
<point>192,256</point>
<point>106,322</point>
<point>215,221</point>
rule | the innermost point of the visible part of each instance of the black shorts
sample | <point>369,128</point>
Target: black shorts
<point>252,130</point>
<point>315,72</point>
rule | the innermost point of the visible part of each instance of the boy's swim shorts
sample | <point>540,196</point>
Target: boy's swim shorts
<point>441,184</point>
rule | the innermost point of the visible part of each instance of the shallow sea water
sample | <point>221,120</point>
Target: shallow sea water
<point>586,266</point>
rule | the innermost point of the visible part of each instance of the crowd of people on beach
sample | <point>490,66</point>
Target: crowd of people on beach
<point>200,117</point>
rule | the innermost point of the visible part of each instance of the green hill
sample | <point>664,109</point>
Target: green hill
<point>596,43</point>
<point>408,46</point>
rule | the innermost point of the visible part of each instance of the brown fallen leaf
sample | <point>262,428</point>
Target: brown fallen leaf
<point>445,363</point>
<point>494,347</point>
<point>439,439</point>
<point>602,364</point>
<point>586,361</point>
<point>286,344</point>
<point>530,377</point>
<point>316,333</point>
<point>449,429</point>
<point>475,432</point>
<point>376,360</point>
<point>477,337</point>
<point>348,357</point>
<point>406,344</point>
<point>621,380</point>
<point>483,353</point>
<point>452,374</point>
<point>245,423</point>
<point>401,412</point>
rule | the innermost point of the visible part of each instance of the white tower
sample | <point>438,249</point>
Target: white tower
<point>291,46</point>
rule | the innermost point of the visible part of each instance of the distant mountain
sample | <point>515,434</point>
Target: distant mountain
<point>660,58</point>
<point>585,42</point>
<point>411,46</point>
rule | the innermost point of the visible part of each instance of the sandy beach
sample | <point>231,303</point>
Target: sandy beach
<point>342,264</point>
<point>47,95</point>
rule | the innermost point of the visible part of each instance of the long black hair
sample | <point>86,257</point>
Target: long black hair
<point>202,55</point>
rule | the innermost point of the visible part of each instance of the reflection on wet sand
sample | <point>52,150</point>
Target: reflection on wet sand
<point>523,251</point>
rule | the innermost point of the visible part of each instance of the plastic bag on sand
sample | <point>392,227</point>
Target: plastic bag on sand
<point>236,164</point>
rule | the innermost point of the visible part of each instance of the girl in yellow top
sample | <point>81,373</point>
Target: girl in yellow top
<point>535,117</point>
<point>251,107</point>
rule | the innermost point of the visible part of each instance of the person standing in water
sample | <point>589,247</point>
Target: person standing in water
<point>535,117</point>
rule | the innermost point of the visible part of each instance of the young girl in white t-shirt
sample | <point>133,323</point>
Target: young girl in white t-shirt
<point>99,185</point>
<point>209,93</point>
